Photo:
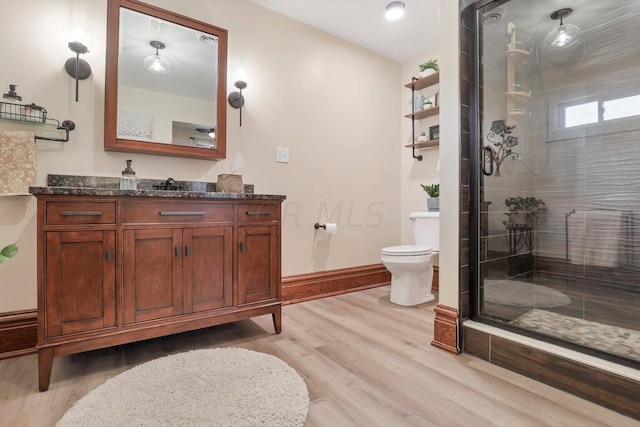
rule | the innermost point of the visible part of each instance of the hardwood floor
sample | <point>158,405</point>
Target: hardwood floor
<point>366,362</point>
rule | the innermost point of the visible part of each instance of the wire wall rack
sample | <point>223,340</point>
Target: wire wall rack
<point>35,115</point>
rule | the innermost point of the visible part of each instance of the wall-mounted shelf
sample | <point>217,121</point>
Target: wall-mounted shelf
<point>423,114</point>
<point>425,144</point>
<point>28,115</point>
<point>423,82</point>
<point>415,85</point>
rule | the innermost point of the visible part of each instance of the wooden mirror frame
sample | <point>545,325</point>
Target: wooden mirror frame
<point>111,141</point>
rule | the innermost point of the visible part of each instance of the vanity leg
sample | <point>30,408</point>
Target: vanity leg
<point>277,318</point>
<point>45,362</point>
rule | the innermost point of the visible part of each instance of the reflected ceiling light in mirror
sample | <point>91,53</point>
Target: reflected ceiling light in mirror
<point>155,63</point>
<point>566,34</point>
<point>211,132</point>
<point>235,98</point>
<point>79,39</point>
<point>394,10</point>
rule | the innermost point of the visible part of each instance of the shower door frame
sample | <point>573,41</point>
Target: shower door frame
<point>476,178</point>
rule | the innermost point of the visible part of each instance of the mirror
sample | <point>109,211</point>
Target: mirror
<point>165,89</point>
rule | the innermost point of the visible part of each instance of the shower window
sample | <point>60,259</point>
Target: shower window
<point>584,113</point>
<point>555,246</point>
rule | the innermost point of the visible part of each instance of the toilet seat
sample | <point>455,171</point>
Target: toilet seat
<point>406,250</point>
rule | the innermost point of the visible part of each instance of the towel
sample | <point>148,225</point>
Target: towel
<point>595,238</point>
<point>17,163</point>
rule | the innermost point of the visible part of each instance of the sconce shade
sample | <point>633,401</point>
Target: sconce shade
<point>155,63</point>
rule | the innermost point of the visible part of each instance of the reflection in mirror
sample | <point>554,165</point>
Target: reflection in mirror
<point>195,135</point>
<point>166,78</point>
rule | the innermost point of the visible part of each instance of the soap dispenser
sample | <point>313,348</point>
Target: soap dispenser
<point>128,181</point>
<point>11,108</point>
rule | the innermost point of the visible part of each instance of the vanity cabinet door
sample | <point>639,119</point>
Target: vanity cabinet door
<point>80,285</point>
<point>207,278</point>
<point>152,274</point>
<point>257,263</point>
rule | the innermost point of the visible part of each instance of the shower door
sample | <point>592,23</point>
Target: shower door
<point>555,245</point>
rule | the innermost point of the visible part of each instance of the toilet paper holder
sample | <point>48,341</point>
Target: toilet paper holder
<point>317,225</point>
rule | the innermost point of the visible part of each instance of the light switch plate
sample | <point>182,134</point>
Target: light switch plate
<point>282,155</point>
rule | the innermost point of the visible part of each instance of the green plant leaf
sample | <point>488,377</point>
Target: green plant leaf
<point>433,190</point>
<point>8,252</point>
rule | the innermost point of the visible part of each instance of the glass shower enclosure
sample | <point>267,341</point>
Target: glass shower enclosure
<point>556,130</point>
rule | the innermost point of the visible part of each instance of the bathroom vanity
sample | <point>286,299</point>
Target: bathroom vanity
<point>118,266</point>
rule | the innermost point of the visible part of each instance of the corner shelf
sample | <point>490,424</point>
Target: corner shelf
<point>425,144</point>
<point>415,85</point>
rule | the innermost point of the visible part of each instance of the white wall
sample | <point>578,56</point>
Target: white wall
<point>334,105</point>
<point>449,153</point>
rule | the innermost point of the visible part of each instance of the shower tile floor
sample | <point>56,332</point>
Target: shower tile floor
<point>611,339</point>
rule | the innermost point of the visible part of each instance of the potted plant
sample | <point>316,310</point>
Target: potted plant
<point>427,104</point>
<point>524,211</point>
<point>433,202</point>
<point>8,252</point>
<point>429,67</point>
<point>423,137</point>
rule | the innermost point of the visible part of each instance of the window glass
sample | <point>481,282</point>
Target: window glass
<point>581,114</point>
<point>622,107</point>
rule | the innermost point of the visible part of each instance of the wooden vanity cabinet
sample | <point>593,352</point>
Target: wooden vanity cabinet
<point>116,270</point>
<point>171,271</point>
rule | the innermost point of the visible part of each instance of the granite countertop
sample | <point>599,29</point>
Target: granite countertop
<point>73,185</point>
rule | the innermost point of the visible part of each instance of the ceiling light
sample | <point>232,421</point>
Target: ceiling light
<point>566,34</point>
<point>155,63</point>
<point>394,10</point>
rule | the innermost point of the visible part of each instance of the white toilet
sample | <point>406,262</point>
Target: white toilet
<point>411,266</point>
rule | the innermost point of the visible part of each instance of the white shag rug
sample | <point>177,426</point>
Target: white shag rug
<point>523,294</point>
<point>211,387</point>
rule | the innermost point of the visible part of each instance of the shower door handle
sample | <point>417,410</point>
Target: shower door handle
<point>487,154</point>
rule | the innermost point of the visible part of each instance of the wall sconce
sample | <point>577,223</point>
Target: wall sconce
<point>79,39</point>
<point>236,100</point>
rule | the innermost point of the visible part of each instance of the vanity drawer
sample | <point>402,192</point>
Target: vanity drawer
<point>63,213</point>
<point>175,212</point>
<point>257,212</point>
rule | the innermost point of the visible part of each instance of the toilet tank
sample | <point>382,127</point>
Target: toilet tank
<point>426,229</point>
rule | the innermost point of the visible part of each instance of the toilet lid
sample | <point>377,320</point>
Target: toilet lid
<point>406,250</point>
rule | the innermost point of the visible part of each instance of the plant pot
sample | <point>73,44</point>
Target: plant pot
<point>433,204</point>
<point>518,219</point>
<point>427,72</point>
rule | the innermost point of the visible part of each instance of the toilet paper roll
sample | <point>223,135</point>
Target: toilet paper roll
<point>331,228</point>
